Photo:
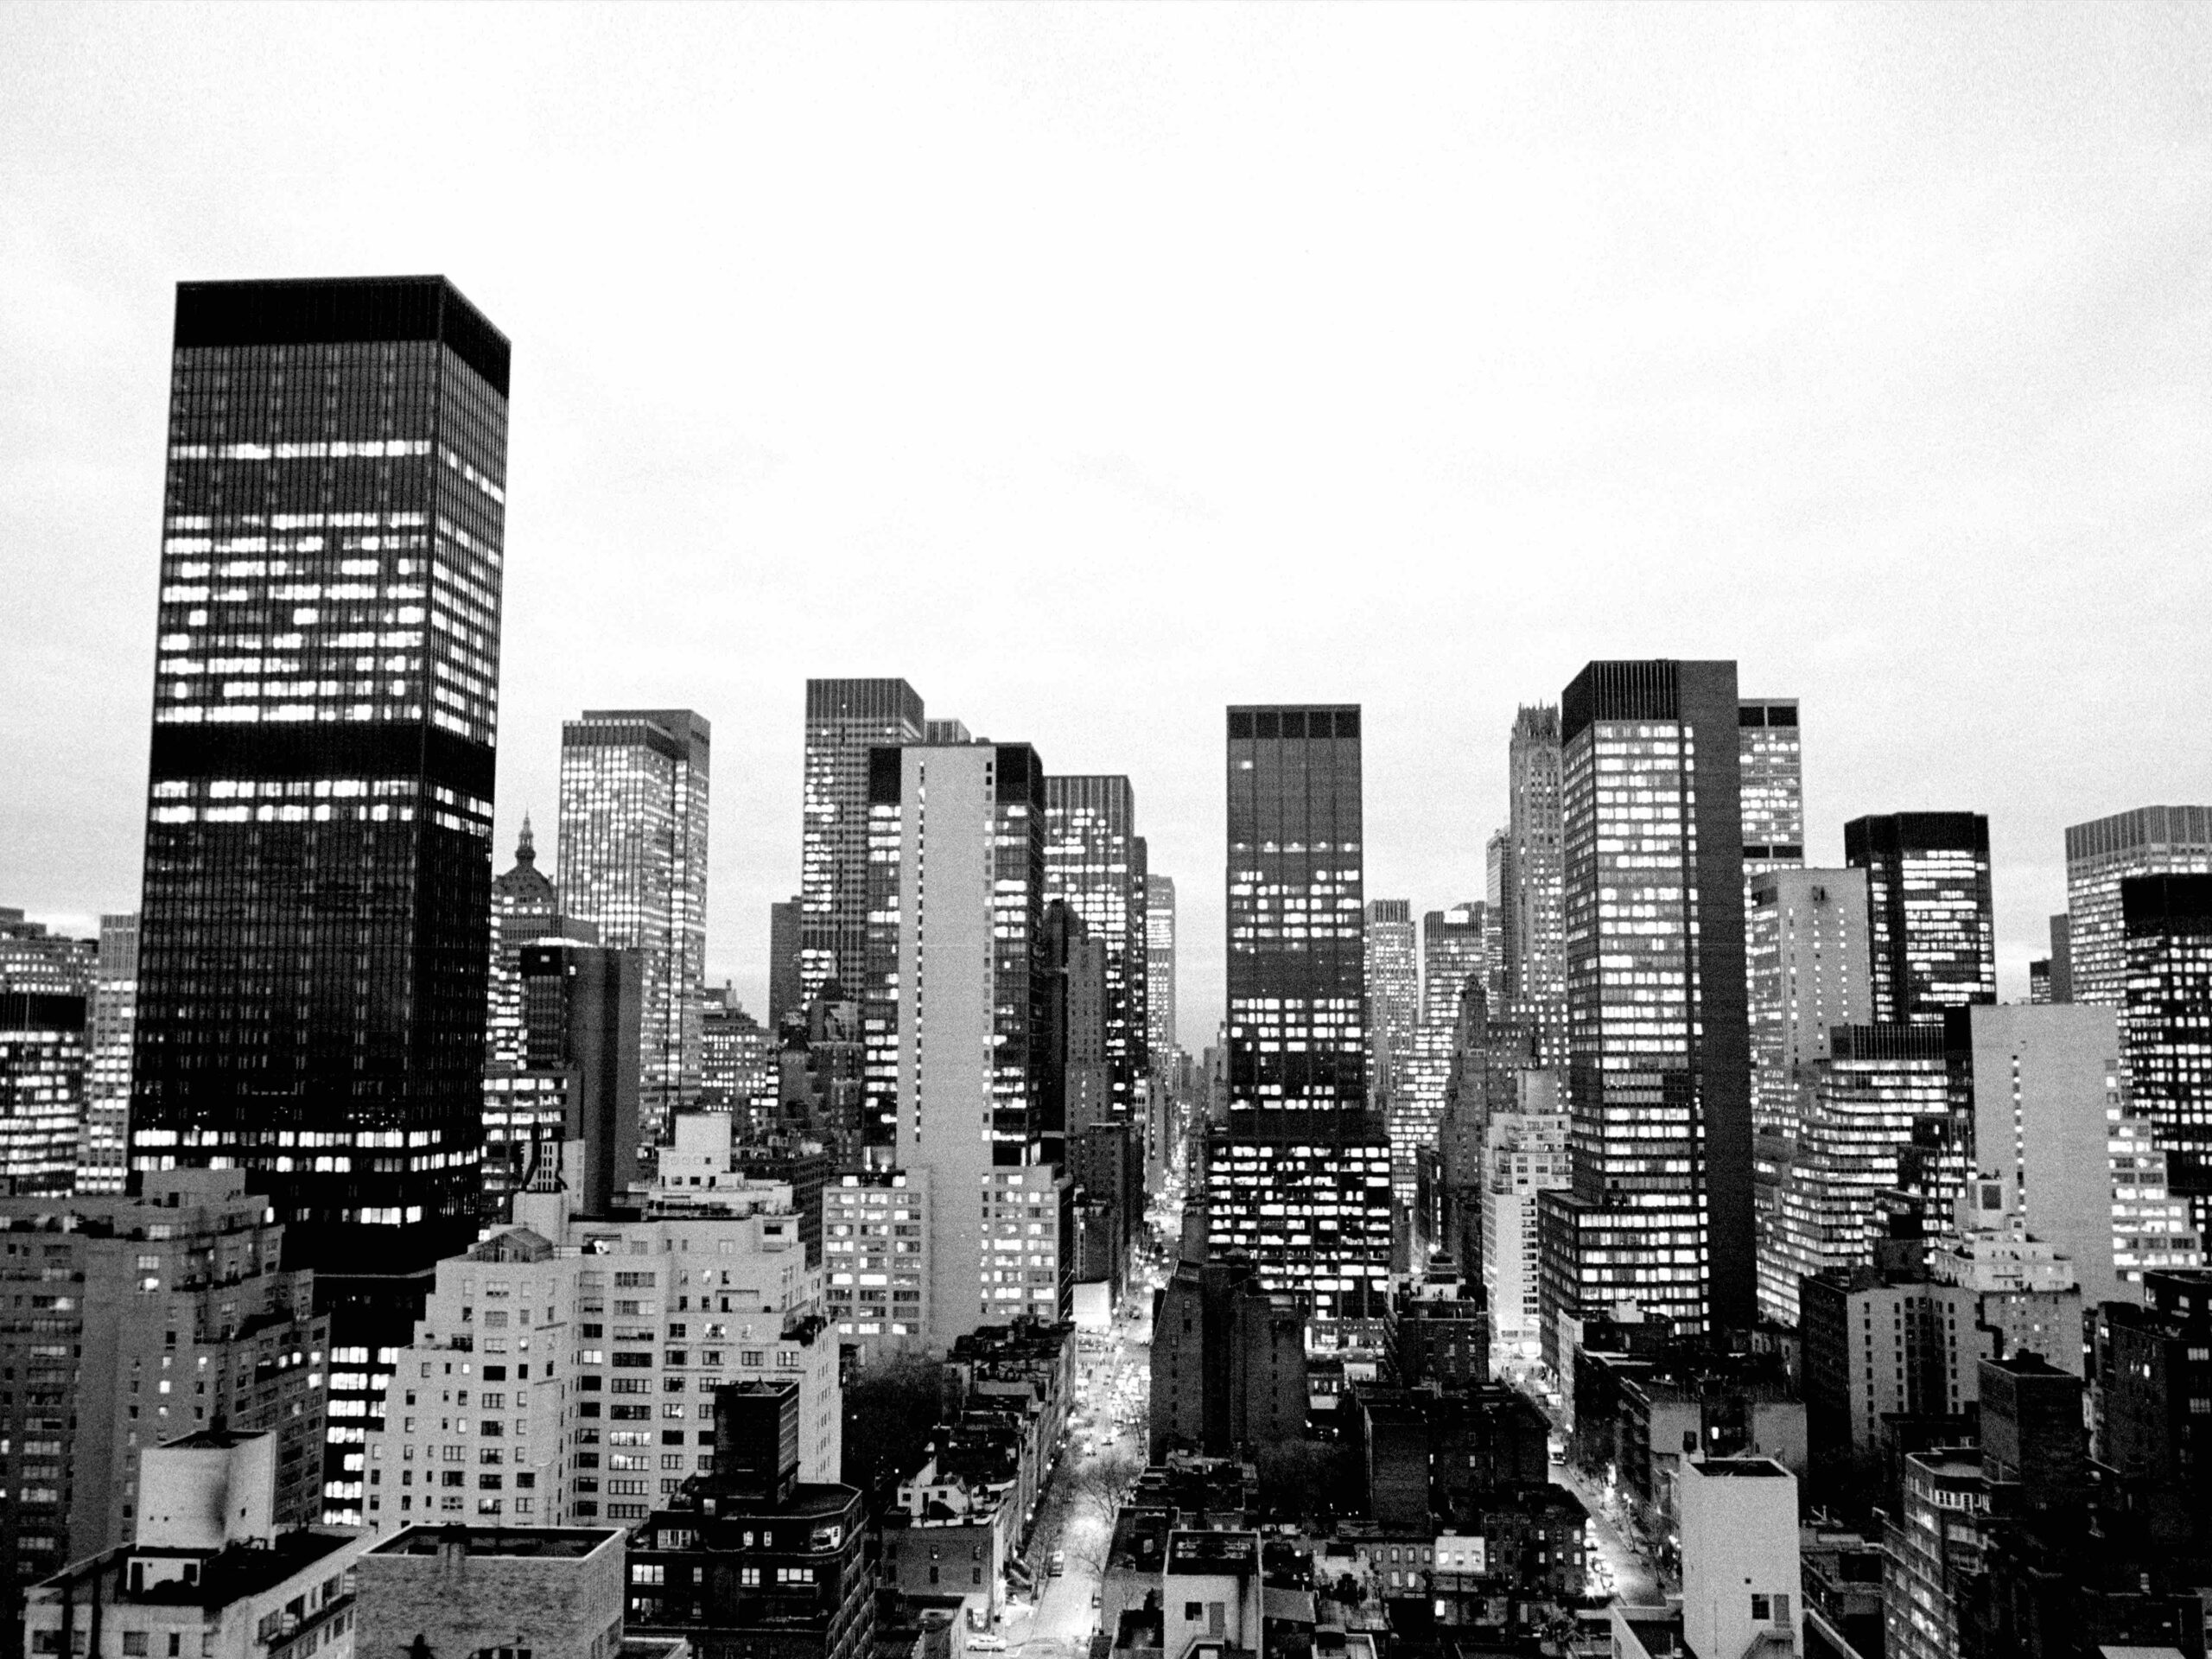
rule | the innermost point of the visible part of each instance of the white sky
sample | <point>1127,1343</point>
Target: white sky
<point>1094,368</point>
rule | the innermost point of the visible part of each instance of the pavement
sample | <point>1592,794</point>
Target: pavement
<point>1634,1583</point>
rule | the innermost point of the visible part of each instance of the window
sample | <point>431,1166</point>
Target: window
<point>1762,1609</point>
<point>1194,1610</point>
<point>134,1642</point>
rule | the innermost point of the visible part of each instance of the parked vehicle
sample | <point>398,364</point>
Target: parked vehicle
<point>1059,1563</point>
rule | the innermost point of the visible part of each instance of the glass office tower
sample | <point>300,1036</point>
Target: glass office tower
<point>1094,859</point>
<point>633,860</point>
<point>2089,943</point>
<point>1299,1180</point>
<point>1772,765</point>
<point>1932,941</point>
<point>844,719</point>
<point>2167,927</point>
<point>1660,1210</point>
<point>312,943</point>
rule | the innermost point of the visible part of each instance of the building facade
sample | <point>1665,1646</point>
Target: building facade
<point>1094,861</point>
<point>1660,1211</point>
<point>1531,869</point>
<point>1393,987</point>
<point>633,861</point>
<point>1298,1179</point>
<point>1159,966</point>
<point>2100,855</point>
<point>844,719</point>
<point>2167,922</point>
<point>1810,971</point>
<point>104,1149</point>
<point>1930,935</point>
<point>1771,767</point>
<point>318,861</point>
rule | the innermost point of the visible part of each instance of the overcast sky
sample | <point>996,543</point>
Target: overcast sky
<point>1094,368</point>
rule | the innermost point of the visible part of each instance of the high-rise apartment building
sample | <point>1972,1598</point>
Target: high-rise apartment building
<point>1094,861</point>
<point>2166,922</point>
<point>633,860</point>
<point>593,1348</point>
<point>318,866</point>
<point>957,1005</point>
<point>1159,966</point>
<point>1772,768</point>
<point>1929,930</point>
<point>1809,972</point>
<point>1533,951</point>
<point>876,1239</point>
<point>138,1320</point>
<point>786,995</point>
<point>2101,855</point>
<point>1299,1178</point>
<point>1392,988</point>
<point>104,1148</point>
<point>1660,1211</point>
<point>844,719</point>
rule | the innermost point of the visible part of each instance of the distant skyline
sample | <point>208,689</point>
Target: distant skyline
<point>1093,369</point>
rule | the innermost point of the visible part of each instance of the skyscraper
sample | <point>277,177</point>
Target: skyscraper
<point>1535,945</point>
<point>2167,925</point>
<point>1660,1210</point>
<point>1298,1179</point>
<point>956,1057</point>
<point>1094,861</point>
<point>1393,987</point>
<point>312,941</point>
<point>103,1150</point>
<point>634,860</point>
<point>844,719</point>
<point>1930,935</point>
<point>1772,765</point>
<point>1159,966</point>
<point>46,999</point>
<point>1810,972</point>
<point>524,906</point>
<point>785,994</point>
<point>2100,856</point>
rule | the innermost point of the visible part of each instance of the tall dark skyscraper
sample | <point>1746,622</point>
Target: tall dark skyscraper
<point>1933,939</point>
<point>844,719</point>
<point>784,994</point>
<point>1532,940</point>
<point>2166,934</point>
<point>1659,1211</point>
<point>312,945</point>
<point>1299,1180</point>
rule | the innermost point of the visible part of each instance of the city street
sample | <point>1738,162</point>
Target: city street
<point>1105,1450</point>
<point>1632,1581</point>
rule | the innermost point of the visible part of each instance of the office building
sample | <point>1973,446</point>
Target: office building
<point>45,1048</point>
<point>318,861</point>
<point>526,905</point>
<point>1392,988</point>
<point>1771,767</point>
<point>1660,1211</point>
<point>210,1566</point>
<point>957,1058</point>
<point>844,719</point>
<point>750,1556</point>
<point>737,1062</point>
<point>2167,920</point>
<point>1094,861</point>
<point>140,1320</point>
<point>1809,972</point>
<point>1298,1178</point>
<point>1934,1543</point>
<point>1455,957</point>
<point>35,961</point>
<point>2100,856</point>
<point>1159,966</point>
<point>103,1148</point>
<point>1862,1103</point>
<point>2153,1364</point>
<point>555,1360</point>
<point>876,1228</point>
<point>2046,1086</point>
<point>1524,1154</point>
<point>633,860</point>
<point>2061,958</point>
<point>573,1113</point>
<point>554,1592</point>
<point>2152,1228</point>
<point>1534,944</point>
<point>1454,953</point>
<point>786,992</point>
<point>1930,933</point>
<point>2039,980</point>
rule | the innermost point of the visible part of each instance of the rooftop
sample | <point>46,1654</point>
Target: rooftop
<point>225,1576</point>
<point>1740,1468</point>
<point>1213,1553</point>
<point>568,1541</point>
